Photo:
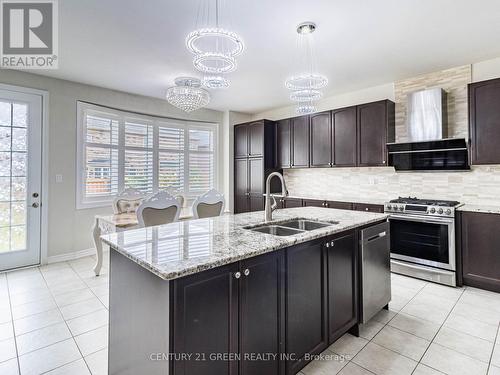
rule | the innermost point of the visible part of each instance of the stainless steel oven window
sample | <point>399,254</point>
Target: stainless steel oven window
<point>450,233</point>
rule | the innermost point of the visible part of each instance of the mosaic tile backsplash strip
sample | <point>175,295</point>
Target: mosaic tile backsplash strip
<point>479,186</point>
<point>454,81</point>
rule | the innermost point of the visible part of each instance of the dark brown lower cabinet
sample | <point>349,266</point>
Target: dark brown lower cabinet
<point>265,314</point>
<point>292,202</point>
<point>205,321</point>
<point>480,253</point>
<point>342,285</point>
<point>368,207</point>
<point>261,307</point>
<point>306,303</point>
<point>236,315</point>
<point>313,203</point>
<point>339,205</point>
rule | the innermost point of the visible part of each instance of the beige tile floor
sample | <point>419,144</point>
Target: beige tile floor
<point>53,320</point>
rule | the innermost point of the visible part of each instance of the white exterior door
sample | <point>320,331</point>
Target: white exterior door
<point>20,178</point>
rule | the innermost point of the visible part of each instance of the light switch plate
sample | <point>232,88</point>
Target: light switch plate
<point>59,178</point>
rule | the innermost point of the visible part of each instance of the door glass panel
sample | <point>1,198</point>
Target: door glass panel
<point>18,139</point>
<point>19,115</point>
<point>13,170</point>
<point>420,240</point>
<point>5,138</point>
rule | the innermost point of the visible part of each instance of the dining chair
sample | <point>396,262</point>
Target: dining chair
<point>127,201</point>
<point>209,204</point>
<point>176,194</point>
<point>160,208</point>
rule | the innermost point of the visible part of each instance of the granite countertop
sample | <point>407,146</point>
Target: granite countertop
<point>487,209</point>
<point>187,247</point>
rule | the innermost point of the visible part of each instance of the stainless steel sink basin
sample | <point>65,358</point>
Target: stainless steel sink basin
<point>307,225</point>
<point>290,227</point>
<point>276,230</point>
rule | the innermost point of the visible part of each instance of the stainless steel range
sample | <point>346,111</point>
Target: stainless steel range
<point>423,238</point>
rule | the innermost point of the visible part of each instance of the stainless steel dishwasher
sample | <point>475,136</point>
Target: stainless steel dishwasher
<point>375,270</point>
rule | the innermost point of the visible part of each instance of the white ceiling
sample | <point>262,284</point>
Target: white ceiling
<point>138,46</point>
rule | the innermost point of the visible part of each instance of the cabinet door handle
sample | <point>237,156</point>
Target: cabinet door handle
<point>246,272</point>
<point>367,209</point>
<point>327,245</point>
<point>237,275</point>
<point>332,244</point>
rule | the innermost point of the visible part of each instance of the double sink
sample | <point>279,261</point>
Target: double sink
<point>290,227</point>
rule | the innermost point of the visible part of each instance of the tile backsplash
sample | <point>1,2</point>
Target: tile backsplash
<point>454,81</point>
<point>479,186</point>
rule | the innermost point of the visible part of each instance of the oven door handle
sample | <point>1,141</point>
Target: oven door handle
<point>423,219</point>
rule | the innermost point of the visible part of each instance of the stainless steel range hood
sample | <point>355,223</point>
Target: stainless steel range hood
<point>427,118</point>
<point>428,148</point>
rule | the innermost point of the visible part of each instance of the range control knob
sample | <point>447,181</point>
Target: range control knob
<point>440,211</point>
<point>432,210</point>
<point>401,208</point>
<point>389,207</point>
<point>448,211</point>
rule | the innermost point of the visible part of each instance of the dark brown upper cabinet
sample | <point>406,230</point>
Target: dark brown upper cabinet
<point>241,141</point>
<point>344,140</point>
<point>254,160</point>
<point>346,137</point>
<point>256,139</point>
<point>300,141</point>
<point>484,121</point>
<point>375,129</point>
<point>283,144</point>
<point>321,139</point>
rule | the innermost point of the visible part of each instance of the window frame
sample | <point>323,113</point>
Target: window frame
<point>122,116</point>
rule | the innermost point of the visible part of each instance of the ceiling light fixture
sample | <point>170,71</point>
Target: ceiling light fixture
<point>214,47</point>
<point>215,82</point>
<point>306,95</point>
<point>187,94</point>
<point>305,86</point>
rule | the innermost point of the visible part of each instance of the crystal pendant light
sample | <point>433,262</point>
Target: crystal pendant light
<point>305,86</point>
<point>187,94</point>
<point>214,47</point>
<point>215,82</point>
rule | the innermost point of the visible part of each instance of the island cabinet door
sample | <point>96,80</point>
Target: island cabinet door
<point>205,323</point>
<point>342,285</point>
<point>261,307</point>
<point>306,303</point>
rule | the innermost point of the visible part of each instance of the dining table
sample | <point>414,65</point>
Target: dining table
<point>105,224</point>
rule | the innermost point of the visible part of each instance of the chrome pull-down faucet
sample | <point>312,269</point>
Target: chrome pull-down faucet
<point>269,208</point>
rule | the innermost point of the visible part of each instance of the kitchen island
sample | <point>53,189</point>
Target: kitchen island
<point>213,296</point>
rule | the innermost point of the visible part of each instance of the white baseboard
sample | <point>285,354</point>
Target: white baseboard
<point>71,256</point>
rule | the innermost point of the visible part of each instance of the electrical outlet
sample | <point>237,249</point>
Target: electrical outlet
<point>59,178</point>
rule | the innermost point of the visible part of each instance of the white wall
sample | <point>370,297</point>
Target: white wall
<point>484,70</point>
<point>481,71</point>
<point>370,94</point>
<point>69,228</point>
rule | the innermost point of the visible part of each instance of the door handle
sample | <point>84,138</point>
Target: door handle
<point>35,195</point>
<point>35,205</point>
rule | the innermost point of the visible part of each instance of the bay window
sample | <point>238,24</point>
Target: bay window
<point>118,149</point>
